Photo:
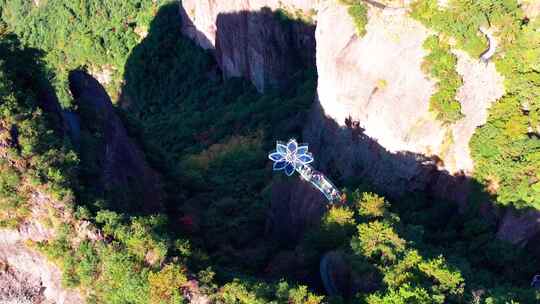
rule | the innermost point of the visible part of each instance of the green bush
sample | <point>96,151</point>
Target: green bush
<point>505,149</point>
<point>165,285</point>
<point>241,292</point>
<point>98,35</point>
<point>143,236</point>
<point>12,204</point>
<point>358,12</point>
<point>370,205</point>
<point>33,154</point>
<point>440,64</point>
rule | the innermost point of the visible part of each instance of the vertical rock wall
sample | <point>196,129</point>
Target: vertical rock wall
<point>264,41</point>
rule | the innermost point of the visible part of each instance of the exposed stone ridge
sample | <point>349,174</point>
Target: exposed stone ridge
<point>124,166</point>
<point>519,228</point>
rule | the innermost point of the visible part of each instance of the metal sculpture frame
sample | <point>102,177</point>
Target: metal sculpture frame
<point>292,157</point>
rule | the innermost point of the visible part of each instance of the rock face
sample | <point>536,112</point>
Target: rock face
<point>29,277</point>
<point>373,117</point>
<point>339,279</point>
<point>26,276</point>
<point>520,228</point>
<point>335,274</point>
<point>15,291</point>
<point>250,40</point>
<point>122,163</point>
<point>531,8</point>
<point>295,206</point>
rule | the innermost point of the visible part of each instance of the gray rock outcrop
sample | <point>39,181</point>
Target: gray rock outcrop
<point>250,40</point>
<point>519,228</point>
<point>30,276</point>
<point>26,275</point>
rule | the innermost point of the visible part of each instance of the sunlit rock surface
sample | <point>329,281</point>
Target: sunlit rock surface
<point>373,120</point>
<point>531,8</point>
<point>482,86</point>
<point>27,276</point>
<point>249,39</point>
<point>31,277</point>
<point>376,80</point>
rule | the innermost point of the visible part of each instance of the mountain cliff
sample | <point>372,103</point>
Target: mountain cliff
<point>248,39</point>
<point>373,116</point>
<point>134,138</point>
<point>374,82</point>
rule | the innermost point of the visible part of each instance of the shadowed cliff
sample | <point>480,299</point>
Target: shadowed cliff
<point>113,167</point>
<point>265,46</point>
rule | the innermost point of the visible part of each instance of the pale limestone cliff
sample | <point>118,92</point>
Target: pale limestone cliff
<point>31,270</point>
<point>26,275</point>
<point>531,8</point>
<point>377,82</point>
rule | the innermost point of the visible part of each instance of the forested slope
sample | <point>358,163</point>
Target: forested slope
<point>207,137</point>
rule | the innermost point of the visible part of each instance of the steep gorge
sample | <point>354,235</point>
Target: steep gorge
<point>215,209</point>
<point>371,118</point>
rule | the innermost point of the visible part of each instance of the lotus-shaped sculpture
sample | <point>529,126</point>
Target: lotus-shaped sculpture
<point>290,156</point>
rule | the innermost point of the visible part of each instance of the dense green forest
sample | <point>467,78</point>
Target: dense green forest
<point>208,137</point>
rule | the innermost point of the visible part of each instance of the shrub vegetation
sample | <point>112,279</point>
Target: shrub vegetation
<point>506,150</point>
<point>440,64</point>
<point>358,12</point>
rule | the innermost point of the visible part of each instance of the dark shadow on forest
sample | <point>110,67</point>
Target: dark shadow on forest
<point>25,67</point>
<point>178,102</point>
